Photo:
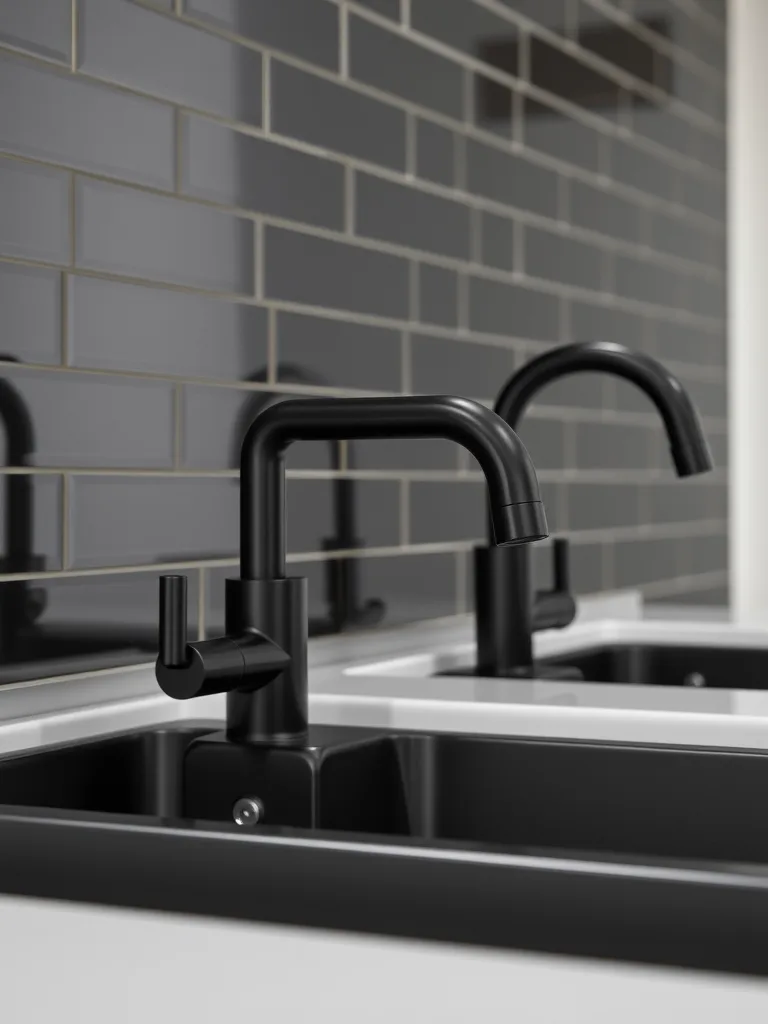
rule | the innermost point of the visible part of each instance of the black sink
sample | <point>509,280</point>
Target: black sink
<point>649,853</point>
<point>738,668</point>
<point>561,795</point>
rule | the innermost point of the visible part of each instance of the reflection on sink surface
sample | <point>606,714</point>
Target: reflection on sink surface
<point>567,796</point>
<point>741,668</point>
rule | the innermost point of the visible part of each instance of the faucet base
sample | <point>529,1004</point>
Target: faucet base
<point>277,714</point>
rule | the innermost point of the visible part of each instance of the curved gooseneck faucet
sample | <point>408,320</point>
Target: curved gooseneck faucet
<point>506,609</point>
<point>261,663</point>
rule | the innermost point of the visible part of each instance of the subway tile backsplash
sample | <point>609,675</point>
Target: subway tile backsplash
<point>210,205</point>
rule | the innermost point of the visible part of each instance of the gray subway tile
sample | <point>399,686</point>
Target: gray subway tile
<point>331,352</point>
<point>704,554</point>
<point>586,564</point>
<point>120,326</point>
<point>151,236</point>
<point>145,520</point>
<point>230,167</point>
<point>406,216</point>
<point>637,562</point>
<point>603,506</point>
<point>599,210</point>
<point>435,153</point>
<point>687,500</point>
<point>412,453</point>
<point>397,66</point>
<point>704,296</point>
<point>445,366</point>
<point>85,420</point>
<point>387,8</point>
<point>549,13</point>
<point>471,29</point>
<point>577,391</point>
<point>305,28</point>
<point>34,212</point>
<point>550,131</point>
<point>319,272</point>
<point>445,511</point>
<point>564,75</point>
<point>545,441</point>
<point>438,295</point>
<point>646,281</point>
<point>556,257</point>
<point>643,170</point>
<point>497,241</point>
<point>492,105</point>
<point>498,308</point>
<point>310,516</point>
<point>680,342</point>
<point>612,446</point>
<point>137,47</point>
<point>43,28</point>
<point>512,180</point>
<point>30,298</point>
<point>412,587</point>
<point>593,322</point>
<point>56,116</point>
<point>329,115</point>
<point>40,498</point>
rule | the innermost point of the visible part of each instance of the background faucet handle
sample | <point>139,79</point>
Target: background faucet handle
<point>561,565</point>
<point>173,622</point>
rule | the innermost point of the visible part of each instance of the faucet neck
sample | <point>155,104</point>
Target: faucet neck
<point>513,489</point>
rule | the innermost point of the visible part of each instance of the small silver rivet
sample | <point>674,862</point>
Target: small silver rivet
<point>248,811</point>
<point>695,679</point>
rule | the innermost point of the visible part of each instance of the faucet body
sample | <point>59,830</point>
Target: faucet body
<point>507,610</point>
<point>262,661</point>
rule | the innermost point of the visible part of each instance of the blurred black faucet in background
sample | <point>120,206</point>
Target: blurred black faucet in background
<point>20,605</point>
<point>342,586</point>
<point>506,609</point>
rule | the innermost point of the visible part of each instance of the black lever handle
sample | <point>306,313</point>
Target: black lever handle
<point>173,621</point>
<point>560,564</point>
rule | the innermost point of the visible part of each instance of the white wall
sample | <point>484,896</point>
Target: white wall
<point>748,300</point>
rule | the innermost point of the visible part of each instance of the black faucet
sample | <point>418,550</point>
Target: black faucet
<point>262,661</point>
<point>507,612</point>
<point>342,585</point>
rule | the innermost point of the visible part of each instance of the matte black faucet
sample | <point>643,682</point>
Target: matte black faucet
<point>262,661</point>
<point>342,585</point>
<point>507,611</point>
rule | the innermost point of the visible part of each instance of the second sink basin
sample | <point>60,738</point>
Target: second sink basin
<point>647,664</point>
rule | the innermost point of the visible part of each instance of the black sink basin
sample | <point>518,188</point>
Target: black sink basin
<point>641,852</point>
<point>738,668</point>
<point>649,801</point>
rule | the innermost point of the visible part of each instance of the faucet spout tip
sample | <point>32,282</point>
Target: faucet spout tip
<point>692,457</point>
<point>519,523</point>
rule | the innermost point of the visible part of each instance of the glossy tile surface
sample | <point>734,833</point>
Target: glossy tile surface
<point>55,116</point>
<point>233,202</point>
<point>123,231</point>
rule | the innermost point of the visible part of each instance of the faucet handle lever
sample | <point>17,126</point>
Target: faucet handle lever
<point>561,565</point>
<point>173,621</point>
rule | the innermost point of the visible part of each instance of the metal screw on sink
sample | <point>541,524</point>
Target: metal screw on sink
<point>248,811</point>
<point>695,679</point>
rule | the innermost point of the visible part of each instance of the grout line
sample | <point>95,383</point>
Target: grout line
<point>405,512</point>
<point>266,93</point>
<point>411,159</point>
<point>343,41</point>
<point>350,200</point>
<point>65,521</point>
<point>74,56</point>
<point>406,363</point>
<point>405,13</point>
<point>178,151</point>
<point>65,325</point>
<point>177,426</point>
<point>178,7</point>
<point>72,220</point>
<point>272,346</point>
<point>705,528</point>
<point>258,260</point>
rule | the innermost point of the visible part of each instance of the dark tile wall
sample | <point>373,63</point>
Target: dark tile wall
<point>207,205</point>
